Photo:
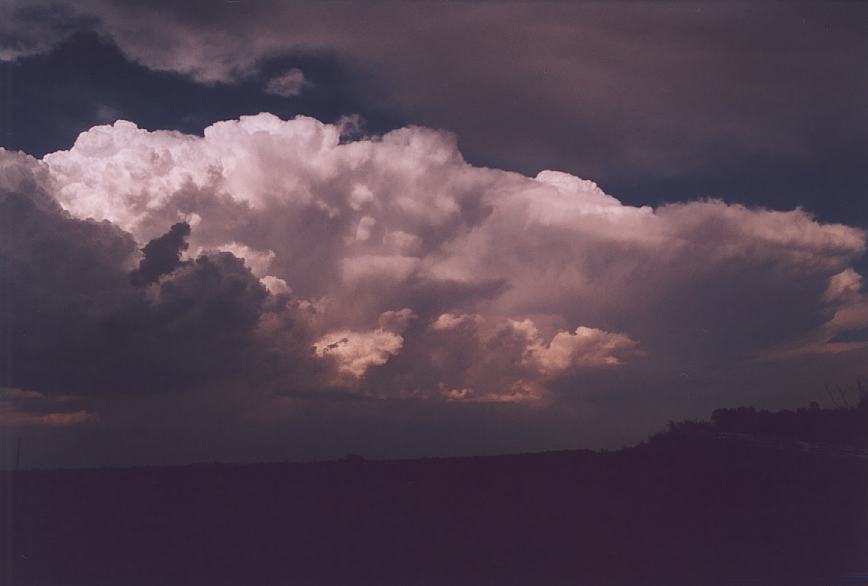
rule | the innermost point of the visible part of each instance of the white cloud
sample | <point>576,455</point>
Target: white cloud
<point>450,321</point>
<point>355,352</point>
<point>396,321</point>
<point>275,285</point>
<point>585,347</point>
<point>401,220</point>
<point>258,261</point>
<point>507,360</point>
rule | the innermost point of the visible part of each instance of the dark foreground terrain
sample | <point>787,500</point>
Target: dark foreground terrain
<point>692,506</point>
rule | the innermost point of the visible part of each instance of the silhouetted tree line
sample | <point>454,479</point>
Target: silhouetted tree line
<point>845,423</point>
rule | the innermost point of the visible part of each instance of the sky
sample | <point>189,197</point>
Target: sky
<point>258,231</point>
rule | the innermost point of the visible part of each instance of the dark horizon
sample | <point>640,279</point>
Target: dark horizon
<point>763,497</point>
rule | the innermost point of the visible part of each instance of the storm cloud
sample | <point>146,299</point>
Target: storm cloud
<point>85,312</point>
<point>276,254</point>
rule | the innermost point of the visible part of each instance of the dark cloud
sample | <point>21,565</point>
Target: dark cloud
<point>76,323</point>
<point>162,255</point>
<point>61,276</point>
<point>19,408</point>
<point>198,328</point>
<point>33,28</point>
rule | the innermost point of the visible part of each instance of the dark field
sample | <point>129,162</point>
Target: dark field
<point>677,510</point>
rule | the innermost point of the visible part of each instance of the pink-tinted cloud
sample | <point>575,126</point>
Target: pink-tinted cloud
<point>390,267</point>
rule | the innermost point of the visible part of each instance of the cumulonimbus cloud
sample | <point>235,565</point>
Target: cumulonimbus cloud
<point>386,267</point>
